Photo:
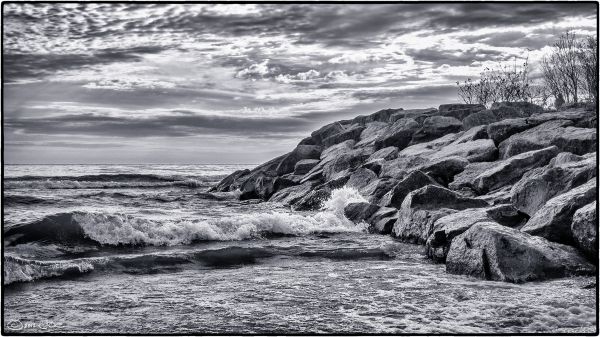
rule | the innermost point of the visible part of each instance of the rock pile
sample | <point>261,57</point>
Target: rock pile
<point>507,193</point>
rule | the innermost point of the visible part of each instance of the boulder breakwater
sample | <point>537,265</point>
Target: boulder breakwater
<point>507,193</point>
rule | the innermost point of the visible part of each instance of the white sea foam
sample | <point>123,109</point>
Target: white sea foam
<point>22,270</point>
<point>115,229</point>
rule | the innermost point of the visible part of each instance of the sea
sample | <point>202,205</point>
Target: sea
<point>142,249</point>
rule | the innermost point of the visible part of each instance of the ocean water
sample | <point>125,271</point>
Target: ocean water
<point>146,249</point>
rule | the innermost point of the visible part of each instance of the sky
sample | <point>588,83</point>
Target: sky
<point>232,83</point>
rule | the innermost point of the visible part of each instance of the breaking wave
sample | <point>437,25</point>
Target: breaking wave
<point>23,270</point>
<point>123,229</point>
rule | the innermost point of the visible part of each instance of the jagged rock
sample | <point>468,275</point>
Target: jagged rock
<point>427,148</point>
<point>570,139</point>
<point>326,131</point>
<point>398,134</point>
<point>312,200</point>
<point>327,156</point>
<point>493,115</point>
<point>345,162</point>
<point>418,115</point>
<point>301,152</point>
<point>379,116</point>
<point>422,207</point>
<point>566,157</point>
<point>351,133</point>
<point>579,117</point>
<point>228,182</point>
<point>304,166</point>
<point>450,226</point>
<point>361,178</point>
<point>291,195</point>
<point>360,211</point>
<point>474,133</point>
<point>498,197</point>
<point>307,141</point>
<point>491,251</point>
<point>436,126</point>
<point>383,220</point>
<point>485,177</point>
<point>401,166</point>
<point>376,189</point>
<point>526,108</point>
<point>387,153</point>
<point>501,130</point>
<point>541,184</point>
<point>371,133</point>
<point>473,151</point>
<point>553,220</point>
<point>259,186</point>
<point>282,182</point>
<point>413,181</point>
<point>459,111</point>
<point>443,170</point>
<point>585,230</point>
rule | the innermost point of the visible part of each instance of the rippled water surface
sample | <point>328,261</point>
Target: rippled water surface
<point>142,249</point>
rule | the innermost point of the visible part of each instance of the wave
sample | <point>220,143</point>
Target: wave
<point>126,230</point>
<point>11,200</point>
<point>107,181</point>
<point>18,269</point>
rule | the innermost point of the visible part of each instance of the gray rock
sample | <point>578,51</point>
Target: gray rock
<point>291,195</point>
<point>312,200</point>
<point>553,220</point>
<point>486,117</point>
<point>383,220</point>
<point>360,211</point>
<point>411,182</point>
<point>473,151</point>
<point>301,152</point>
<point>435,127</point>
<point>387,153</point>
<point>485,177</point>
<point>351,133</point>
<point>379,116</point>
<point>491,251</point>
<point>459,111</point>
<point>398,134</point>
<point>327,131</point>
<point>377,189</point>
<point>422,207</point>
<point>361,178</point>
<point>228,183</point>
<point>585,230</point>
<point>526,108</point>
<point>304,166</point>
<point>501,130</point>
<point>566,157</point>
<point>579,117</point>
<point>444,169</point>
<point>570,139</point>
<point>398,168</point>
<point>541,184</point>
<point>418,115</point>
<point>371,133</point>
<point>450,226</point>
<point>474,133</point>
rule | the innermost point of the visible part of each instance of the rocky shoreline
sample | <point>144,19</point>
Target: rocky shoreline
<point>507,193</point>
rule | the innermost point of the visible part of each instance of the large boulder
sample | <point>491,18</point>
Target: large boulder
<point>450,226</point>
<point>436,126</point>
<point>398,168</point>
<point>580,117</point>
<point>411,182</point>
<point>379,116</point>
<point>291,195</point>
<point>585,230</point>
<point>422,207</point>
<point>327,156</point>
<point>304,166</point>
<point>399,134</point>
<point>360,179</point>
<point>345,163</point>
<point>371,133</point>
<point>444,169</point>
<point>228,183</point>
<point>493,115</point>
<point>383,220</point>
<point>485,177</point>
<point>327,131</point>
<point>419,115</point>
<point>351,133</point>
<point>553,220</point>
<point>474,133</point>
<point>557,132</point>
<point>301,152</point>
<point>459,111</point>
<point>360,211</point>
<point>526,108</point>
<point>473,151</point>
<point>541,184</point>
<point>501,130</point>
<point>377,189</point>
<point>491,251</point>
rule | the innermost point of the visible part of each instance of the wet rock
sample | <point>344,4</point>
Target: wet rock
<point>553,220</point>
<point>312,200</point>
<point>541,184</point>
<point>383,220</point>
<point>459,111</point>
<point>361,178</point>
<point>485,177</point>
<point>228,183</point>
<point>377,189</point>
<point>436,126</point>
<point>570,139</point>
<point>360,211</point>
<point>291,195</point>
<point>491,251</point>
<point>304,166</point>
<point>450,226</point>
<point>413,181</point>
<point>585,230</point>
<point>422,207</point>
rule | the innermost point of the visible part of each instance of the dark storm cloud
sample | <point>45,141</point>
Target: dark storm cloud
<point>177,124</point>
